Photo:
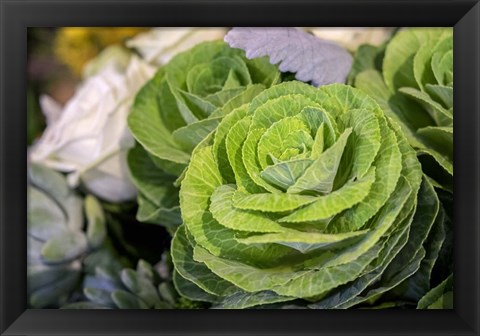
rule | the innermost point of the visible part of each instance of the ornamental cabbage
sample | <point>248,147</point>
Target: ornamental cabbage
<point>414,86</point>
<point>177,108</point>
<point>303,193</point>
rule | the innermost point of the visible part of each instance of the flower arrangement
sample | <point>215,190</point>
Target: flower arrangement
<point>248,168</point>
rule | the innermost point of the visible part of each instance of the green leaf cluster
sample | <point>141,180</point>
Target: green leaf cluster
<point>57,239</point>
<point>305,194</point>
<point>412,80</point>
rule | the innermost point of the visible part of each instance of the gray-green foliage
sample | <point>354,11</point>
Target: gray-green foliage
<point>177,109</point>
<point>414,86</point>
<point>110,286</point>
<point>57,239</point>
<point>303,193</point>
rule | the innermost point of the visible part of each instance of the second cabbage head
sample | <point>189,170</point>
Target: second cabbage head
<point>302,193</point>
<point>177,109</point>
<point>414,86</point>
<point>188,97</point>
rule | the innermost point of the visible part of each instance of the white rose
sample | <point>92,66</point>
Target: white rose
<point>89,138</point>
<point>114,55</point>
<point>159,45</point>
<point>352,38</point>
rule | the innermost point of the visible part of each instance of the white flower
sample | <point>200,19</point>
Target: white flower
<point>351,38</point>
<point>159,45</point>
<point>90,137</point>
<point>114,55</point>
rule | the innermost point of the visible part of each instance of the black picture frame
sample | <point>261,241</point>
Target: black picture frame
<point>17,15</point>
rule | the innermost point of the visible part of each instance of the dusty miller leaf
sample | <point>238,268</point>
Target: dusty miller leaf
<point>310,58</point>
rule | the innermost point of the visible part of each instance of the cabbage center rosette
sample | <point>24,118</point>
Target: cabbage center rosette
<point>303,193</point>
<point>188,97</point>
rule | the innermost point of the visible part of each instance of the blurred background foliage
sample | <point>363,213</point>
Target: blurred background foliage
<point>55,62</point>
<point>55,67</point>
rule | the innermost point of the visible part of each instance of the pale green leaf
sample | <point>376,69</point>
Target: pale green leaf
<point>191,135</point>
<point>442,94</point>
<point>331,204</point>
<point>442,116</point>
<point>141,286</point>
<point>283,175</point>
<point>243,300</point>
<point>275,139</point>
<point>219,143</point>
<point>188,268</point>
<point>96,227</point>
<point>304,241</point>
<point>398,63</point>
<point>267,202</point>
<point>147,120</point>
<point>439,297</point>
<point>190,290</point>
<point>224,211</point>
<point>234,142</point>
<point>408,114</point>
<point>201,180</point>
<point>126,300</point>
<point>64,246</point>
<point>319,176</point>
<point>45,217</point>
<point>250,160</point>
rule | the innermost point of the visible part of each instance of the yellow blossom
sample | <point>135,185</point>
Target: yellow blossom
<point>75,46</point>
